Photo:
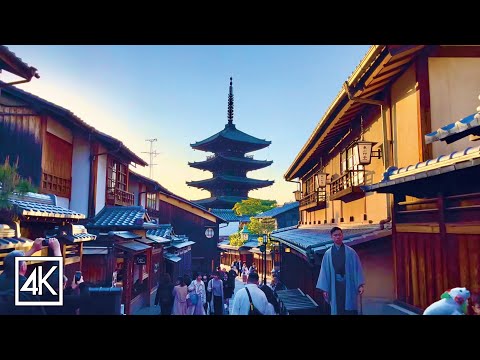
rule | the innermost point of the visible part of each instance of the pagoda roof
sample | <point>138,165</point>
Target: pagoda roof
<point>217,202</point>
<point>215,160</point>
<point>230,134</point>
<point>239,180</point>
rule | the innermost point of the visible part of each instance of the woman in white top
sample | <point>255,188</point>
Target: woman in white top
<point>245,273</point>
<point>197,286</point>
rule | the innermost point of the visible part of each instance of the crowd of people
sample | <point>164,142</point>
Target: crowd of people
<point>210,294</point>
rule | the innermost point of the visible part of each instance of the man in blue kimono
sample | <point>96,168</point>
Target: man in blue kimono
<point>341,276</point>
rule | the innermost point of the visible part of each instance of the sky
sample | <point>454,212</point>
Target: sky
<point>179,95</point>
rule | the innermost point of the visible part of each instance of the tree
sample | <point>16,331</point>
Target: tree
<point>257,227</point>
<point>252,207</point>
<point>11,182</point>
<point>235,239</point>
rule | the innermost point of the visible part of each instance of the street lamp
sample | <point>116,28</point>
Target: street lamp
<point>265,240</point>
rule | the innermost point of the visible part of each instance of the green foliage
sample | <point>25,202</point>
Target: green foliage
<point>252,207</point>
<point>11,181</point>
<point>257,227</point>
<point>236,239</point>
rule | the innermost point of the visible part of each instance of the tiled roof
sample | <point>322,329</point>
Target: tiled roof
<point>12,63</point>
<point>229,215</point>
<point>305,238</point>
<point>230,132</point>
<point>242,161</point>
<point>121,218</point>
<point>454,130</point>
<point>134,246</point>
<point>230,200</point>
<point>278,210</point>
<point>126,235</point>
<point>163,230</point>
<point>231,179</point>
<point>172,257</point>
<point>40,205</point>
<point>444,163</point>
<point>182,244</point>
<point>13,242</point>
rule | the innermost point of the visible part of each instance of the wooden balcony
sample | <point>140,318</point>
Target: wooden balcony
<point>314,201</point>
<point>119,197</point>
<point>347,187</point>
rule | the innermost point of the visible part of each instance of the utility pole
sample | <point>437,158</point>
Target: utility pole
<point>152,154</point>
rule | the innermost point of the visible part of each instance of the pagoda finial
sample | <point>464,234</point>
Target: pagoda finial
<point>230,103</point>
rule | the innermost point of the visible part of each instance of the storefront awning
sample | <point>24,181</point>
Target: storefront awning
<point>132,246</point>
<point>39,205</point>
<point>406,177</point>
<point>179,245</point>
<point>456,130</point>
<point>171,257</point>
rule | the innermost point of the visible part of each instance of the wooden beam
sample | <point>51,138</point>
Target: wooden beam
<point>424,121</point>
<point>470,229</point>
<point>417,228</point>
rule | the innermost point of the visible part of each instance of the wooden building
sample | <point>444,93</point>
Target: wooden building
<point>436,227</point>
<point>36,215</point>
<point>62,155</point>
<point>396,95</point>
<point>122,255</point>
<point>177,250</point>
<point>229,164</point>
<point>187,218</point>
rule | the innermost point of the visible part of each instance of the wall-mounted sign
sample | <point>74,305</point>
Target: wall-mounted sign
<point>209,233</point>
<point>141,259</point>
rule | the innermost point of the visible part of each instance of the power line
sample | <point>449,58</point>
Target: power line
<point>152,154</point>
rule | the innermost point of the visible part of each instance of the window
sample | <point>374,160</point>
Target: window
<point>151,201</point>
<point>116,175</point>
<point>349,161</point>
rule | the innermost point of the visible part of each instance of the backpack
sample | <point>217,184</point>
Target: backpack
<point>253,310</point>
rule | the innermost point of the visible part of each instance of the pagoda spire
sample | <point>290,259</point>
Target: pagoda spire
<point>230,104</point>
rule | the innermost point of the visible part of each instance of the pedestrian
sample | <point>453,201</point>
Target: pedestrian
<point>197,287</point>
<point>341,276</point>
<point>215,286</point>
<point>241,301</point>
<point>164,296</point>
<point>179,293</point>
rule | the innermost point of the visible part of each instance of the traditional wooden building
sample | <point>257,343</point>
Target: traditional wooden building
<point>229,164</point>
<point>436,228</point>
<point>187,218</point>
<point>36,215</point>
<point>396,95</point>
<point>48,140</point>
<point>122,255</point>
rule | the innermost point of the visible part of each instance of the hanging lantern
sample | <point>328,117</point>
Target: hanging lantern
<point>320,180</point>
<point>364,151</point>
<point>298,195</point>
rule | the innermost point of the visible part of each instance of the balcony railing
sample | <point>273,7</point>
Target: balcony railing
<point>347,187</point>
<point>119,197</point>
<point>314,201</point>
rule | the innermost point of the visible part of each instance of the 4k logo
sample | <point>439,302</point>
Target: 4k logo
<point>37,283</point>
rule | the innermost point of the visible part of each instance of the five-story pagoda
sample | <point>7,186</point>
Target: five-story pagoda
<point>229,164</point>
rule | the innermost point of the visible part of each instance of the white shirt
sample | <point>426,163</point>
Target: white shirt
<point>241,303</point>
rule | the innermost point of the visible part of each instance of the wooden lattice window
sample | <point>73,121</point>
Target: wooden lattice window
<point>56,185</point>
<point>349,161</point>
<point>56,166</point>
<point>117,175</point>
<point>151,201</point>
